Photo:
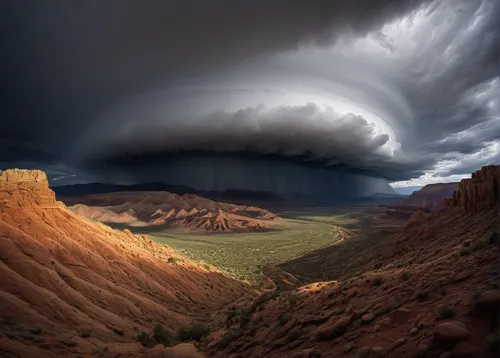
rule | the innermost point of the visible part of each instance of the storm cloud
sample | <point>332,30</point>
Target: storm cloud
<point>320,134</point>
<point>407,91</point>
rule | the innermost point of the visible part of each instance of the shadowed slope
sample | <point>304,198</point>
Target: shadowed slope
<point>431,289</point>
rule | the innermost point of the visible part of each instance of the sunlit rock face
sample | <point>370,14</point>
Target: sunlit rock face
<point>282,177</point>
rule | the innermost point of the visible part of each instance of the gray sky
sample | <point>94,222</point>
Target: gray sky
<point>408,91</point>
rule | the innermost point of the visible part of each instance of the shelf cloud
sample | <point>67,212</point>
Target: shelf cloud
<point>404,91</point>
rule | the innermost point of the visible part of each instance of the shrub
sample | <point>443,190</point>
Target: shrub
<point>172,260</point>
<point>143,337</point>
<point>446,312</point>
<point>422,295</point>
<point>195,332</point>
<point>243,317</point>
<point>405,275</point>
<point>378,281</point>
<point>161,336</point>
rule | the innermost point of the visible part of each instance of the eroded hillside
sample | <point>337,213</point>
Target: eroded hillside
<point>164,209</point>
<point>71,286</point>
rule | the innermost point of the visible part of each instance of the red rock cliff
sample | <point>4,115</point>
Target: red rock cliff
<point>61,274</point>
<point>25,187</point>
<point>479,193</point>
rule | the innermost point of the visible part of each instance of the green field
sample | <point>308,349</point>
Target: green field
<point>241,254</point>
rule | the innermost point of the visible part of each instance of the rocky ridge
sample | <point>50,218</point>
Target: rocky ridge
<point>479,193</point>
<point>430,196</point>
<point>169,210</point>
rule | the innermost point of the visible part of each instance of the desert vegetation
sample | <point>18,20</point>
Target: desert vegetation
<point>242,254</point>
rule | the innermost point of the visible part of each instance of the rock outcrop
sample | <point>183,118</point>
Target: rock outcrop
<point>431,196</point>
<point>25,187</point>
<point>479,193</point>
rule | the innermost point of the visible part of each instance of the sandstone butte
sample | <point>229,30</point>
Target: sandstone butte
<point>429,289</point>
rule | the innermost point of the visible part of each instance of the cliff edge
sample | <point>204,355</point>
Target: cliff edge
<point>479,193</point>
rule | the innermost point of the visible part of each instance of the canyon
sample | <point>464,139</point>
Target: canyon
<point>75,287</point>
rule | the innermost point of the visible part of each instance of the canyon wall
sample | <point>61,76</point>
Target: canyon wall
<point>479,193</point>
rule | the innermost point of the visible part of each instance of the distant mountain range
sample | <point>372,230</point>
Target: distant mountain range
<point>239,196</point>
<point>431,196</point>
<point>236,196</point>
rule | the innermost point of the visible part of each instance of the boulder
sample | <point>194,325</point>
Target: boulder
<point>422,349</point>
<point>450,332</point>
<point>489,299</point>
<point>367,318</point>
